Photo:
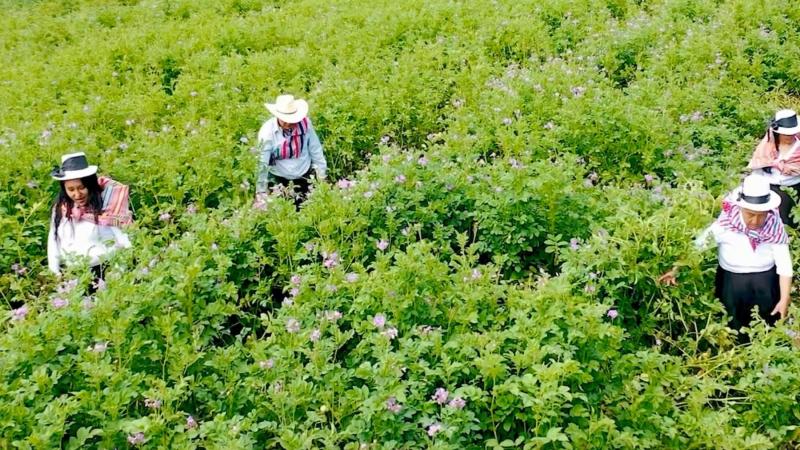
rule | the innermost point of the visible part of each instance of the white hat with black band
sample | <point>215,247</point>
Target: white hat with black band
<point>755,194</point>
<point>785,122</point>
<point>73,167</point>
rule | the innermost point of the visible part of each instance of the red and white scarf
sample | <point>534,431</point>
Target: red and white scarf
<point>772,232</point>
<point>294,142</point>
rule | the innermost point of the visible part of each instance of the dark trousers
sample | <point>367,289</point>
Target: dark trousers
<point>98,272</point>
<point>299,186</point>
<point>787,203</point>
<point>741,292</point>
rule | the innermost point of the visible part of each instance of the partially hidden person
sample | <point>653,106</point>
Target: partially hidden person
<point>754,264</point>
<point>289,149</point>
<point>87,218</point>
<point>777,157</point>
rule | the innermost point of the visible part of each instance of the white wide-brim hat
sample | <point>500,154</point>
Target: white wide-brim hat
<point>785,122</point>
<point>73,167</point>
<point>755,194</point>
<point>288,109</point>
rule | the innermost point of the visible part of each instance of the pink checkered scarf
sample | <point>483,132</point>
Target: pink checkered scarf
<point>772,232</point>
<point>115,211</point>
<point>766,155</point>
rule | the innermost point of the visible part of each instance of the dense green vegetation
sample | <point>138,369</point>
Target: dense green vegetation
<point>508,179</point>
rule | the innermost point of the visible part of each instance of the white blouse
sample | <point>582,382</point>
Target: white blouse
<point>737,255</point>
<point>80,239</point>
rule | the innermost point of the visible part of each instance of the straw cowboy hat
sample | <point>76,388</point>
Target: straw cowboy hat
<point>785,122</point>
<point>288,109</point>
<point>755,194</point>
<point>73,167</point>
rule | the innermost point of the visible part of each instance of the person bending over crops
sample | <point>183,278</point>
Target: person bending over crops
<point>755,267</point>
<point>777,157</point>
<point>289,149</point>
<point>87,216</point>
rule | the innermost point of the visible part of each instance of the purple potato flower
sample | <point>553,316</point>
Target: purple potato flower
<point>393,406</point>
<point>434,429</point>
<point>351,277</point>
<point>390,333</point>
<point>457,403</point>
<point>59,303</point>
<point>333,315</point>
<point>331,260</point>
<point>440,396</point>
<point>136,438</point>
<point>266,364</point>
<point>20,313</point>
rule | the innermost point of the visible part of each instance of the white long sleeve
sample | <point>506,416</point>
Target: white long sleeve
<point>265,146</point>
<point>783,260</point>
<point>81,240</point>
<point>53,249</point>
<point>736,255</point>
<point>121,239</point>
<point>701,242</point>
<point>318,162</point>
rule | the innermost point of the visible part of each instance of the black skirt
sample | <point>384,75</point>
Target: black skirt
<point>741,292</point>
<point>787,203</point>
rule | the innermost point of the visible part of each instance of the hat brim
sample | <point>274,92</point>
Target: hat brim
<point>76,174</point>
<point>297,116</point>
<point>773,202</point>
<point>788,131</point>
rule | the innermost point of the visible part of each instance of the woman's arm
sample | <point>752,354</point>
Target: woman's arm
<point>783,266</point>
<point>318,162</point>
<point>669,278</point>
<point>53,249</point>
<point>121,239</point>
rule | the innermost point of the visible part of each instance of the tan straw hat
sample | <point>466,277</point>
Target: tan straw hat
<point>288,109</point>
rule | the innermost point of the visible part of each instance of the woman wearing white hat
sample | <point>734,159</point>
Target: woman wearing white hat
<point>777,157</point>
<point>289,147</point>
<point>755,267</point>
<point>87,215</point>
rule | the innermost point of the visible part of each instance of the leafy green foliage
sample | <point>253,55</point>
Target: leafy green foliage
<point>514,178</point>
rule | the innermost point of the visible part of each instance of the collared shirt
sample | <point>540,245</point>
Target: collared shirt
<point>79,239</point>
<point>271,137</point>
<point>737,255</point>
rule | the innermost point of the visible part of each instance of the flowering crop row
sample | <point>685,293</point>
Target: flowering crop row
<point>507,181</point>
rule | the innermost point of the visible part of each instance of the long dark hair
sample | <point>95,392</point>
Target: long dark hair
<point>775,139</point>
<point>63,204</point>
<point>772,129</point>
